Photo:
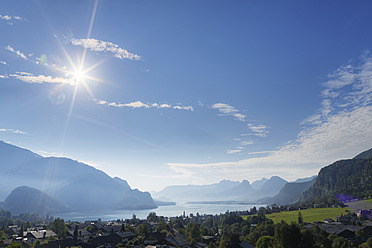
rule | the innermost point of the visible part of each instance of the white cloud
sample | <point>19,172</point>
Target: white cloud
<point>105,46</point>
<point>39,79</point>
<point>258,130</point>
<point>246,142</point>
<point>4,76</point>
<point>8,18</point>
<point>18,53</point>
<point>341,129</point>
<point>226,109</point>
<point>15,131</point>
<point>2,62</point>
<point>139,104</point>
<point>233,151</point>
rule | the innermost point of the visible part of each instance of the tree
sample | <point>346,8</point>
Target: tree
<point>287,236</point>
<point>2,235</point>
<point>152,217</point>
<point>21,232</point>
<point>230,241</point>
<point>212,245</point>
<point>193,233</point>
<point>369,243</point>
<point>300,218</point>
<point>133,220</point>
<point>15,245</point>
<point>265,242</point>
<point>59,227</point>
<point>76,234</point>
<point>142,229</point>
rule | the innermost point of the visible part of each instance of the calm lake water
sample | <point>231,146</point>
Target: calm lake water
<point>168,211</point>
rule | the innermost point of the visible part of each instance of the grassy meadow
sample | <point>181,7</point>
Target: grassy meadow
<point>309,215</point>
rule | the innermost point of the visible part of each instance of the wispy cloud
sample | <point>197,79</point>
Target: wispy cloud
<point>258,130</point>
<point>340,129</point>
<point>228,110</point>
<point>246,142</point>
<point>8,18</point>
<point>105,46</point>
<point>15,131</point>
<point>18,53</point>
<point>233,151</point>
<point>2,62</point>
<point>39,79</point>
<point>139,104</point>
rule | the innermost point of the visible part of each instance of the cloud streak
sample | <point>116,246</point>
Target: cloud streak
<point>341,128</point>
<point>258,130</point>
<point>39,79</point>
<point>15,131</point>
<point>228,110</point>
<point>18,53</point>
<point>139,104</point>
<point>8,18</point>
<point>106,47</point>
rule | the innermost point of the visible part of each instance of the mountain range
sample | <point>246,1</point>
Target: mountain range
<point>47,185</point>
<point>351,178</point>
<point>225,190</point>
<point>77,186</point>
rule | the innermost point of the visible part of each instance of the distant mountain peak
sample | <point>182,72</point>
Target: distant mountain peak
<point>37,202</point>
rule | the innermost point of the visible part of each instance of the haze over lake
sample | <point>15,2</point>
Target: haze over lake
<point>167,211</point>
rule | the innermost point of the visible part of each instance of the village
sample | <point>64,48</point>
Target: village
<point>199,231</point>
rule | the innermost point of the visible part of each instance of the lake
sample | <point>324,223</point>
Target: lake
<point>167,211</point>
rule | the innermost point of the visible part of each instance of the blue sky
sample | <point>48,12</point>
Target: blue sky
<point>188,92</point>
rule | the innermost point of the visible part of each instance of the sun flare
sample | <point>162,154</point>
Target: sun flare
<point>79,75</point>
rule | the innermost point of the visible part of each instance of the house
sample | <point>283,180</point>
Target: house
<point>364,214</point>
<point>328,220</point>
<point>177,240</point>
<point>155,238</point>
<point>83,234</point>
<point>60,243</point>
<point>5,242</point>
<point>208,239</point>
<point>245,244</point>
<point>345,231</point>
<point>110,239</point>
<point>126,236</point>
<point>41,235</point>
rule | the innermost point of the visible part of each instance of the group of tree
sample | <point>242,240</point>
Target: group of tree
<point>256,230</point>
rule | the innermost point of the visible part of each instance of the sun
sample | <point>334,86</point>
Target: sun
<point>78,76</point>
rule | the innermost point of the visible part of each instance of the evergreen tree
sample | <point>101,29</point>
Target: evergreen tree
<point>300,218</point>
<point>75,234</point>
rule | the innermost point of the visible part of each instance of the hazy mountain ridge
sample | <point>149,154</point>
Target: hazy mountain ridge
<point>183,193</point>
<point>259,183</point>
<point>290,193</point>
<point>80,186</point>
<point>26,199</point>
<point>306,179</point>
<point>225,190</point>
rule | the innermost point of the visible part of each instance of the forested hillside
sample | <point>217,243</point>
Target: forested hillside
<point>352,177</point>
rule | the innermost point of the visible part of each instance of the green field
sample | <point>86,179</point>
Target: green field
<point>364,204</point>
<point>309,215</point>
